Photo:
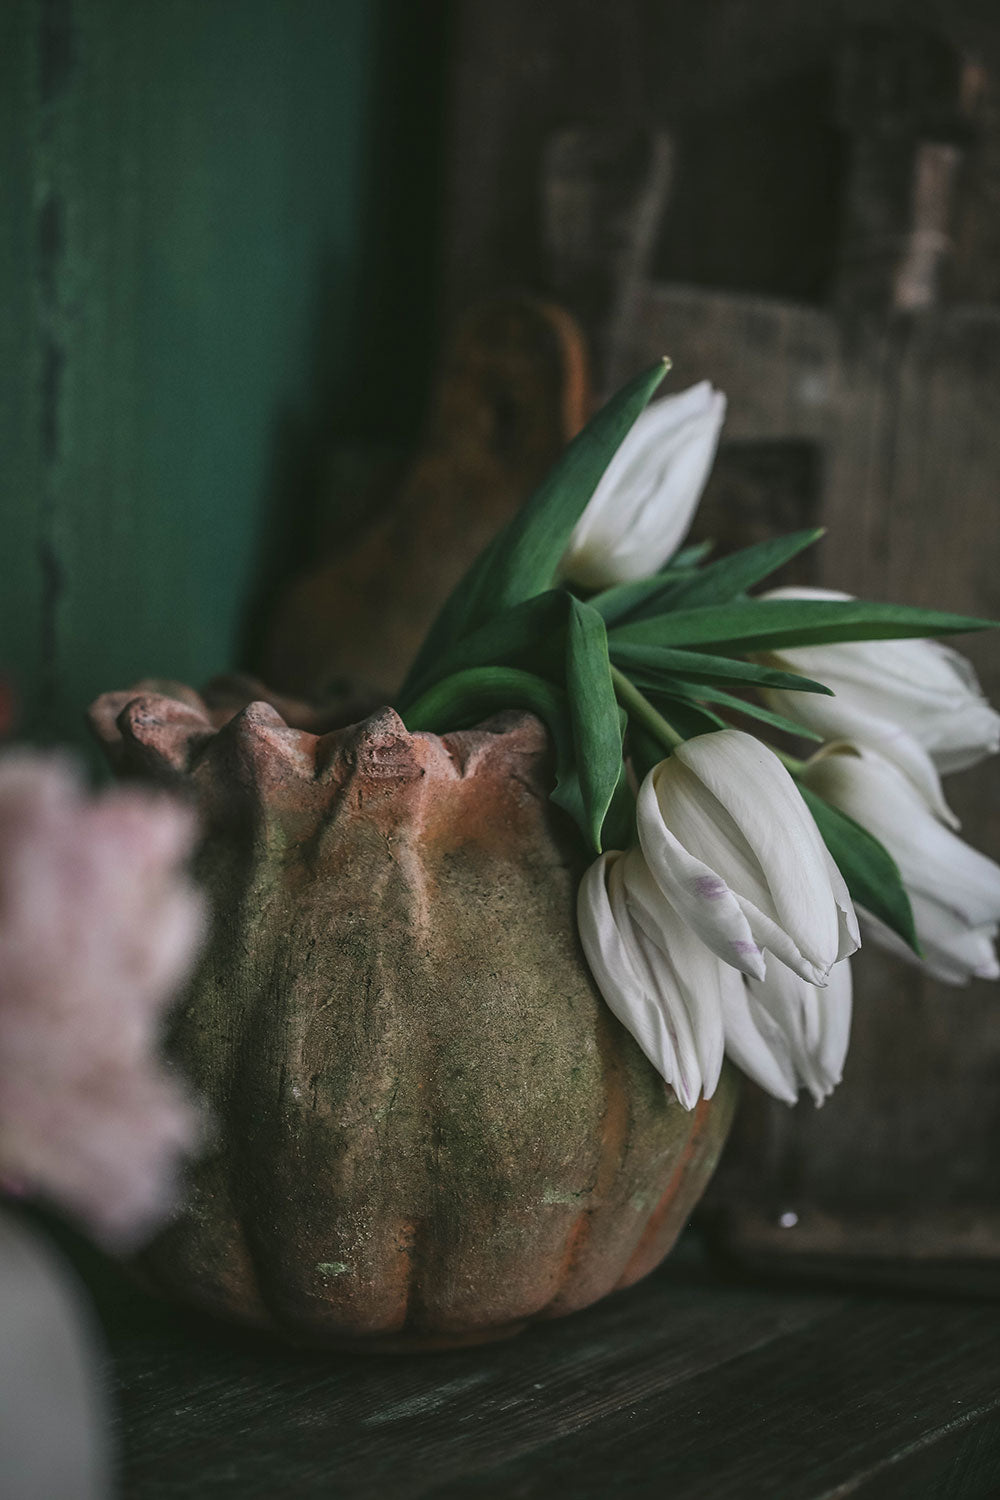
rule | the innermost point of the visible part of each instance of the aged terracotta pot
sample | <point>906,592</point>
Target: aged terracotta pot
<point>430,1128</point>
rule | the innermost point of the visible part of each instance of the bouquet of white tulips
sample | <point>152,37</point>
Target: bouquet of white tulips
<point>732,880</point>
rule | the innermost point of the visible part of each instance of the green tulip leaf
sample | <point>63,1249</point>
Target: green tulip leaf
<point>523,559</point>
<point>685,715</point>
<point>768,624</point>
<point>619,824</point>
<point>729,577</point>
<point>717,583</point>
<point>688,557</point>
<point>594,714</point>
<point>511,638</point>
<point>705,692</point>
<point>649,666</point>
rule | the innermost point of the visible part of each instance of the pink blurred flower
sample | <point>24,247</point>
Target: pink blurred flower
<point>98,929</point>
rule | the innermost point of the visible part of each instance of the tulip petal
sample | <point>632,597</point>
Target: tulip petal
<point>932,860</point>
<point>741,810</point>
<point>847,918</point>
<point>698,973</point>
<point>643,505</point>
<point>953,953</point>
<point>922,687</point>
<point>756,1045</point>
<point>659,986</point>
<point>836,1004</point>
<point>618,978</point>
<point>815,1023</point>
<point>838,718</point>
<point>663,984</point>
<point>697,893</point>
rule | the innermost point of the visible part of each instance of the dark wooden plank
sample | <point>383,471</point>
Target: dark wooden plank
<point>687,1384</point>
<point>206,1406</point>
<point>829,1410</point>
<point>703,73</point>
<point>959,1464</point>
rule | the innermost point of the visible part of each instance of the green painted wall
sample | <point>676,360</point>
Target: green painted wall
<point>191,197</point>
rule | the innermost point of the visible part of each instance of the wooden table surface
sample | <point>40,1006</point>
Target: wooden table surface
<point>695,1385</point>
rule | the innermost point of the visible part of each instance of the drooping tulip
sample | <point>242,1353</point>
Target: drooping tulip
<point>954,890</point>
<point>890,694</point>
<point>643,505</point>
<point>734,849</point>
<point>660,980</point>
<point>686,1008</point>
<point>787,1034</point>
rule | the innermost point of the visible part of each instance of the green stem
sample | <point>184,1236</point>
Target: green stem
<point>638,707</point>
<point>790,762</point>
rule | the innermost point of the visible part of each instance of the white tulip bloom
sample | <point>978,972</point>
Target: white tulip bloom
<point>786,1034</point>
<point>644,503</point>
<point>661,982</point>
<point>954,890</point>
<point>685,1007</point>
<point>734,849</point>
<point>888,695</point>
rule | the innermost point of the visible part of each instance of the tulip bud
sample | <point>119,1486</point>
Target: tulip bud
<point>954,890</point>
<point>890,694</point>
<point>734,849</point>
<point>643,505</point>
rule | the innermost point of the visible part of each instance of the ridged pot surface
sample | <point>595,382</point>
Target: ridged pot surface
<point>429,1128</point>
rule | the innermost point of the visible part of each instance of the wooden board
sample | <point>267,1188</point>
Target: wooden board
<point>688,1385</point>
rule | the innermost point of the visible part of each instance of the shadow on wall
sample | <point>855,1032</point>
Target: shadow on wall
<point>780,147</point>
<point>338,457</point>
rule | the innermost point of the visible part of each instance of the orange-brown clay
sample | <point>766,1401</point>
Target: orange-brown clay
<point>429,1128</point>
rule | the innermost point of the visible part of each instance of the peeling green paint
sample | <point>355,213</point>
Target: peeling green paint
<point>192,195</point>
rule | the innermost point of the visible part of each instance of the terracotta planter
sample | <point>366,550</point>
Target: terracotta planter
<point>430,1128</point>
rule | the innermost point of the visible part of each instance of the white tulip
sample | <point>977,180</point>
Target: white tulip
<point>685,1007</point>
<point>787,1034</point>
<point>954,890</point>
<point>643,505</point>
<point>664,985</point>
<point>890,694</point>
<point>734,849</point>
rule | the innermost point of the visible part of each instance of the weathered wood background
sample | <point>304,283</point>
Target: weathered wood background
<point>801,203</point>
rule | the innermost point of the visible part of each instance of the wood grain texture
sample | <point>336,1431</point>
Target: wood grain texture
<point>901,1164</point>
<point>715,78</point>
<point>687,1385</point>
